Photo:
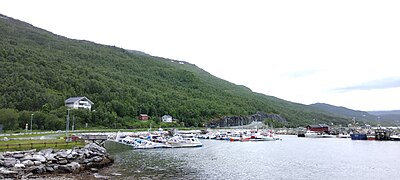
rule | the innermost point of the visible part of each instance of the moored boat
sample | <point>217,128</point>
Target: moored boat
<point>180,142</point>
<point>327,136</point>
<point>256,136</point>
<point>344,136</point>
<point>358,136</point>
<point>395,137</point>
<point>146,144</point>
<point>371,137</point>
<point>312,134</point>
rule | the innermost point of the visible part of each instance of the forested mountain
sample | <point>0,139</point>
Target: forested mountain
<point>344,111</point>
<point>39,70</point>
<point>391,116</point>
<point>379,117</point>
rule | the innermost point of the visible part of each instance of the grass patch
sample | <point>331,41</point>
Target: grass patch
<point>20,145</point>
<point>29,135</point>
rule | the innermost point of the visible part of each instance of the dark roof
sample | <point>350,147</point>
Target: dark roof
<point>318,126</point>
<point>74,99</point>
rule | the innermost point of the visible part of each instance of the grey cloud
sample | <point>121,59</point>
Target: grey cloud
<point>385,83</point>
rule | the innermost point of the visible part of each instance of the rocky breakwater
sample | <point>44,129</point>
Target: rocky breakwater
<point>25,164</point>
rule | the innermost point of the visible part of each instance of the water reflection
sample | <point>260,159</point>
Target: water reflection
<point>153,164</point>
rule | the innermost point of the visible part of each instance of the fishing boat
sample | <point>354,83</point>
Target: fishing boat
<point>358,136</point>
<point>180,142</point>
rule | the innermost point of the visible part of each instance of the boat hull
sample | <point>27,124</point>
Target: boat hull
<point>358,136</point>
<point>183,145</point>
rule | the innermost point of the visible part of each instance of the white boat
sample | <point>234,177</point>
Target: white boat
<point>328,136</point>
<point>395,137</point>
<point>235,137</point>
<point>256,136</point>
<point>146,144</point>
<point>344,136</point>
<point>313,134</point>
<point>179,141</point>
<point>127,140</point>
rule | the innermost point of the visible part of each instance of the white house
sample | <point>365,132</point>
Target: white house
<point>78,102</point>
<point>166,118</point>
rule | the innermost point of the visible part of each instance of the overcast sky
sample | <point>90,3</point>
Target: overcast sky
<point>341,52</point>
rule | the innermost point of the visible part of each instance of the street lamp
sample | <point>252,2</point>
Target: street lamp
<point>31,122</point>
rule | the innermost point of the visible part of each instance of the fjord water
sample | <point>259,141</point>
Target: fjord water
<point>291,158</point>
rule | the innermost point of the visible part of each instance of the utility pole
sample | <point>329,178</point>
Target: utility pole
<point>31,122</point>
<point>67,126</point>
<point>73,123</point>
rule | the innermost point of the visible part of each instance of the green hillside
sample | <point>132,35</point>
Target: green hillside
<point>39,70</point>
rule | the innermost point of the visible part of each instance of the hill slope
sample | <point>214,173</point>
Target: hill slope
<point>39,70</point>
<point>391,116</point>
<point>381,117</point>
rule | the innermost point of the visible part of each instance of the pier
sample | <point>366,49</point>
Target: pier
<point>99,139</point>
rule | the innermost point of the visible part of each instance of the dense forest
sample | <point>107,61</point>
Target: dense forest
<point>39,70</point>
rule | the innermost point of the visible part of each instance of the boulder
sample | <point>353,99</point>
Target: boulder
<point>28,163</point>
<point>37,163</point>
<point>7,173</point>
<point>27,157</point>
<point>49,169</point>
<point>97,159</point>
<point>62,154</point>
<point>18,156</point>
<point>94,170</point>
<point>63,162</point>
<point>47,151</point>
<point>72,155</point>
<point>50,157</point>
<point>68,151</point>
<point>39,169</point>
<point>39,157</point>
<point>65,169</point>
<point>75,167</point>
<point>10,162</point>
<point>19,166</point>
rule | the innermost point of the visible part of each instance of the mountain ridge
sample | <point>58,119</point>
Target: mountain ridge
<point>382,117</point>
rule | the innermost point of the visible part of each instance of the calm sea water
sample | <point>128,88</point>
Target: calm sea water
<point>291,158</point>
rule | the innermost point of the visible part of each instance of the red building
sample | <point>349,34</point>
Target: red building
<point>318,128</point>
<point>143,117</point>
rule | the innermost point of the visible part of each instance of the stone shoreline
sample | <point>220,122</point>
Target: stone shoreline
<point>34,164</point>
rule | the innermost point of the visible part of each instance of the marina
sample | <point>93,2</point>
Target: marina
<point>185,139</point>
<point>291,158</point>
